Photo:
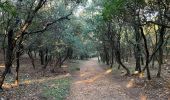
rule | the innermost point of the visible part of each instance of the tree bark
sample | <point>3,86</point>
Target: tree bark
<point>137,49</point>
<point>147,54</point>
<point>31,58</point>
<point>17,67</point>
<point>9,55</point>
<point>118,59</point>
<point>117,53</point>
<point>161,40</point>
<point>41,53</point>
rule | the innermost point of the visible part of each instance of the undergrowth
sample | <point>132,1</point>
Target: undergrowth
<point>57,89</point>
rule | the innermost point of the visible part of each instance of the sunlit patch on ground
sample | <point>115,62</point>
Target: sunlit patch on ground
<point>27,82</point>
<point>143,97</point>
<point>45,79</point>
<point>130,83</point>
<point>2,65</point>
<point>141,75</point>
<point>83,74</point>
<point>64,66</point>
<point>46,87</point>
<point>91,80</point>
<point>9,86</point>
<point>136,72</point>
<point>94,78</point>
<point>33,81</point>
<point>108,71</point>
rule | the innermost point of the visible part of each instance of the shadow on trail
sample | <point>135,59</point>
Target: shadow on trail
<point>92,82</point>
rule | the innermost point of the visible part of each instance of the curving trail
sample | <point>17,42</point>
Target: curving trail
<point>95,83</point>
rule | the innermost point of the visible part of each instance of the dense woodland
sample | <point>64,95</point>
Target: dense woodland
<point>116,31</point>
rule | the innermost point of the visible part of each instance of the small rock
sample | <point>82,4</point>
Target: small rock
<point>2,99</point>
<point>122,71</point>
<point>168,71</point>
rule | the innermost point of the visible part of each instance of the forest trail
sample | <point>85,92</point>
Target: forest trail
<point>92,82</point>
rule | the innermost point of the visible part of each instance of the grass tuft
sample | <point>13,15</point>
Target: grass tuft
<point>74,68</point>
<point>57,89</point>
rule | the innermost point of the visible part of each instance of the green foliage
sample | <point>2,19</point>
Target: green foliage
<point>113,8</point>
<point>74,68</point>
<point>8,7</point>
<point>57,89</point>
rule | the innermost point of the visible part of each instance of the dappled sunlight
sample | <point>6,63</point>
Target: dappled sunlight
<point>64,66</point>
<point>45,79</point>
<point>28,82</point>
<point>83,74</point>
<point>2,65</point>
<point>136,72</point>
<point>141,75</point>
<point>84,49</point>
<point>9,86</point>
<point>143,97</point>
<point>108,71</point>
<point>94,78</point>
<point>130,83</point>
<point>91,80</point>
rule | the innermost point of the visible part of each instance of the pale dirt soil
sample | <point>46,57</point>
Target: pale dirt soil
<point>96,82</point>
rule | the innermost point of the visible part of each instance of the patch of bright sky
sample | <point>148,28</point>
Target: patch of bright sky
<point>80,9</point>
<point>89,3</point>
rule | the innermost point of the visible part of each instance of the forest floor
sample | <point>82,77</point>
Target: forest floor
<point>93,81</point>
<point>96,81</point>
<point>36,84</point>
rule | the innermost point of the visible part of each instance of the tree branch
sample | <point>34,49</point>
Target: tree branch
<point>50,23</point>
<point>156,23</point>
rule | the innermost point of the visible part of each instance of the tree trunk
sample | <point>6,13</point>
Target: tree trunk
<point>41,53</point>
<point>70,53</point>
<point>117,54</point>
<point>17,68</point>
<point>31,58</point>
<point>46,55</point>
<point>9,55</point>
<point>112,55</point>
<point>35,54</point>
<point>59,60</point>
<point>147,54</point>
<point>106,55</point>
<point>153,62</point>
<point>161,40</point>
<point>3,47</point>
<point>142,60</point>
<point>118,59</point>
<point>137,49</point>
<point>65,58</point>
<point>160,62</point>
<point>47,61</point>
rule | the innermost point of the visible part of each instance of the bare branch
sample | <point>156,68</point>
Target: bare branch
<point>156,23</point>
<point>51,23</point>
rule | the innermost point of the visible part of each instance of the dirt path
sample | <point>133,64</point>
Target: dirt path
<point>95,83</point>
